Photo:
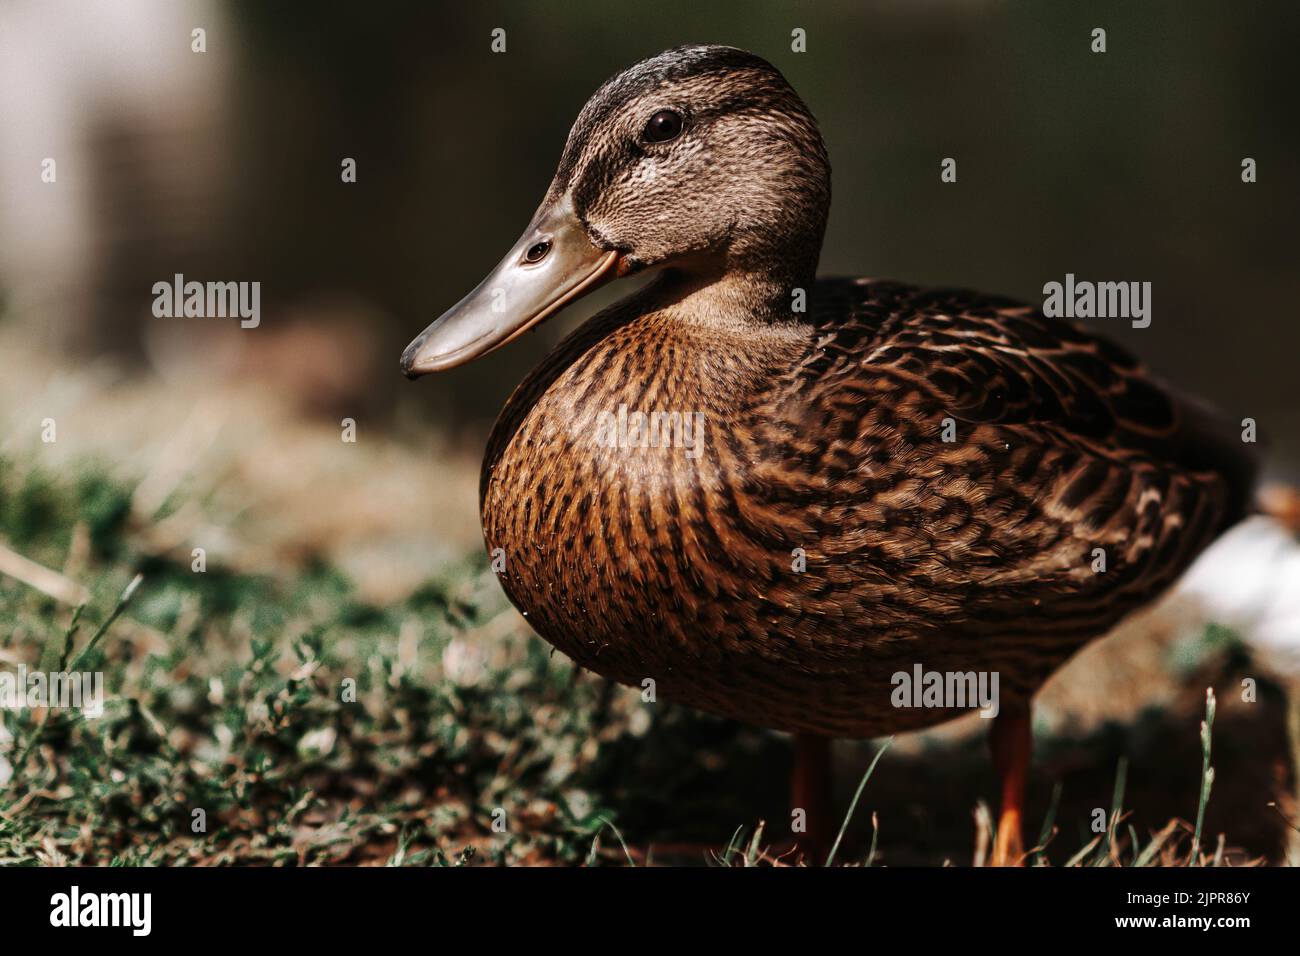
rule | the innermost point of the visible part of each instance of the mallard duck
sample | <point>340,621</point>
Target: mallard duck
<point>882,477</point>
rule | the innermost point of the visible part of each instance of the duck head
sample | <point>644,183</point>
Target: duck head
<point>701,161</point>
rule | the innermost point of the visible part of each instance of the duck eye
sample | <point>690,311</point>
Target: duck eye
<point>537,251</point>
<point>663,126</point>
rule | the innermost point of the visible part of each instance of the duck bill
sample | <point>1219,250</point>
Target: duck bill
<point>517,294</point>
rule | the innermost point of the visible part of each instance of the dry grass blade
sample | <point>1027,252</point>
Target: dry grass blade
<point>1079,857</point>
<point>983,833</point>
<point>1149,852</point>
<point>43,579</point>
<point>1048,830</point>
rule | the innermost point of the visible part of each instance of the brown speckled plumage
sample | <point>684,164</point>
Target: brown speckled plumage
<point>976,554</point>
<point>822,432</point>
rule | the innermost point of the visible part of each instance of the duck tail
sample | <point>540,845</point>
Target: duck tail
<point>1209,441</point>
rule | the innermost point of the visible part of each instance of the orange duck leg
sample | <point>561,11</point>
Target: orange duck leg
<point>1011,742</point>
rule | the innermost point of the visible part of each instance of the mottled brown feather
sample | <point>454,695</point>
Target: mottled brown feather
<point>975,554</point>
<point>824,436</point>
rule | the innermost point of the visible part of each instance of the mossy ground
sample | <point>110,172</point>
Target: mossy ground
<point>304,725</point>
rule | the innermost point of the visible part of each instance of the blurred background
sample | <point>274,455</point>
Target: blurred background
<point>225,166</point>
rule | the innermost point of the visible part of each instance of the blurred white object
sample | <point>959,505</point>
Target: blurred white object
<point>1249,580</point>
<point>135,122</point>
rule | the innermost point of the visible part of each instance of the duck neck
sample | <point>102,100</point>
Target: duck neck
<point>737,297</point>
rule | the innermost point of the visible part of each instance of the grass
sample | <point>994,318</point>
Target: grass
<point>285,721</point>
<point>1207,775</point>
<point>296,723</point>
<point>857,795</point>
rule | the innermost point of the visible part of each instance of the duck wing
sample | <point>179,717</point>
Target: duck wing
<point>991,360</point>
<point>981,454</point>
